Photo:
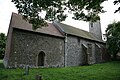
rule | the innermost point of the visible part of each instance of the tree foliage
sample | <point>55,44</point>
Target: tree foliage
<point>116,2</point>
<point>113,38</point>
<point>2,45</point>
<point>55,10</point>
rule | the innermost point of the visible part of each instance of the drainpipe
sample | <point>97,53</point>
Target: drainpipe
<point>65,58</point>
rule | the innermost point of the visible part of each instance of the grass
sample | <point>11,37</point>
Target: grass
<point>103,71</point>
<point>1,64</point>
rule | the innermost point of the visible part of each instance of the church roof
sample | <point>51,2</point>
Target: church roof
<point>18,22</point>
<point>77,32</point>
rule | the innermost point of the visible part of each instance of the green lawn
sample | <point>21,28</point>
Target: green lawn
<point>1,61</point>
<point>104,71</point>
<point>1,64</point>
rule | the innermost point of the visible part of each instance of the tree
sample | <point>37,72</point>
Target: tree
<point>2,45</point>
<point>113,38</point>
<point>86,10</point>
<point>116,2</point>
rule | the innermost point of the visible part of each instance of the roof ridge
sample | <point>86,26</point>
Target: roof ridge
<point>75,27</point>
<point>78,32</point>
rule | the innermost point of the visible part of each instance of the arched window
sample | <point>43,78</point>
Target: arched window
<point>91,24</point>
<point>41,57</point>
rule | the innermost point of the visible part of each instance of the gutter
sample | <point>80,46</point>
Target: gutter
<point>65,41</point>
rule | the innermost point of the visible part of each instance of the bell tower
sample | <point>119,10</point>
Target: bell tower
<point>95,28</point>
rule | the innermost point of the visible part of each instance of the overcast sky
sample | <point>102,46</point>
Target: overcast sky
<point>7,7</point>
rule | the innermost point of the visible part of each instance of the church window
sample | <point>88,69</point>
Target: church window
<point>90,53</point>
<point>78,40</point>
<point>98,52</point>
<point>41,57</point>
<point>91,24</point>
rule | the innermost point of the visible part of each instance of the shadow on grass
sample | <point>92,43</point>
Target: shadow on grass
<point>1,65</point>
<point>3,77</point>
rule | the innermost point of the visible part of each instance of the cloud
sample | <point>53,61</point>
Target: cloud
<point>6,8</point>
<point>109,16</point>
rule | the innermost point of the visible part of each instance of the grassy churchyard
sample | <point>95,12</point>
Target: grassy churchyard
<point>103,71</point>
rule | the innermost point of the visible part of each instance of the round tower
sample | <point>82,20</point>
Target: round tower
<point>95,28</point>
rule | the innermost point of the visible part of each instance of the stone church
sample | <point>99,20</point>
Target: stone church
<point>57,45</point>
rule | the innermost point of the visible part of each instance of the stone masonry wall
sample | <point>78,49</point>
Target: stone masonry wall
<point>27,45</point>
<point>74,51</point>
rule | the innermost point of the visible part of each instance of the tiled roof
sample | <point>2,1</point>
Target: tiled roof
<point>18,22</point>
<point>77,32</point>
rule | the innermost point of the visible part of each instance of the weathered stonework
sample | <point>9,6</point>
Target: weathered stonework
<point>75,56</point>
<point>57,45</point>
<point>73,51</point>
<point>27,45</point>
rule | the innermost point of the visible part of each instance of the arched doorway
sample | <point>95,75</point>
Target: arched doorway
<point>41,57</point>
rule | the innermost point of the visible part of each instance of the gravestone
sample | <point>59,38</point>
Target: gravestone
<point>26,70</point>
<point>38,77</point>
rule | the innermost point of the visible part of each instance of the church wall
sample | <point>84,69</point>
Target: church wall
<point>98,51</point>
<point>74,51</point>
<point>27,45</point>
<point>105,55</point>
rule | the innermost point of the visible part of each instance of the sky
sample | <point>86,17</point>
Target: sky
<point>7,7</point>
